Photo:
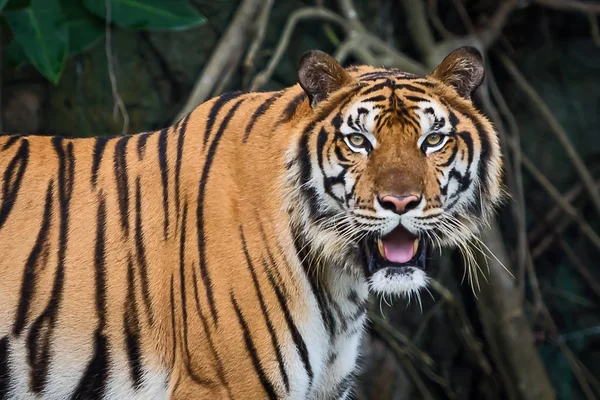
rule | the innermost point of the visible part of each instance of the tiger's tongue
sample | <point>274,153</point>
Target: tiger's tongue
<point>399,246</point>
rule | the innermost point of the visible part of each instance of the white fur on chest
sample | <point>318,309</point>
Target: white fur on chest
<point>333,357</point>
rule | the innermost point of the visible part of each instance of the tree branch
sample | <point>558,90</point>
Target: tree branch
<point>225,58</point>
<point>418,26</point>
<point>555,128</point>
<point>560,200</point>
<point>496,24</point>
<point>304,13</point>
<point>261,30</point>
<point>586,7</point>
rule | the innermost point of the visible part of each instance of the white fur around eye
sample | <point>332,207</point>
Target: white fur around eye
<point>364,149</point>
<point>433,149</point>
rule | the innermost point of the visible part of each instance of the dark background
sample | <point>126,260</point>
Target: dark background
<point>534,336</point>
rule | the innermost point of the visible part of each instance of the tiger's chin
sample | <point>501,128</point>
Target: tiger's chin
<point>395,264</point>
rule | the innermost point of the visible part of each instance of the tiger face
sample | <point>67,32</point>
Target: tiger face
<point>402,163</point>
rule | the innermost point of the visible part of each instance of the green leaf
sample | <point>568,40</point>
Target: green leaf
<point>84,28</point>
<point>148,14</point>
<point>2,4</point>
<point>43,35</point>
<point>83,35</point>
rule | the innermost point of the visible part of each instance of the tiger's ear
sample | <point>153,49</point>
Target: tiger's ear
<point>462,69</point>
<point>319,75</point>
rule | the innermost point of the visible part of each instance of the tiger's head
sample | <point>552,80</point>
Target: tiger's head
<point>388,164</point>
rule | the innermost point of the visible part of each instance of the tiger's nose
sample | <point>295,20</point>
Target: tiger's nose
<point>399,204</point>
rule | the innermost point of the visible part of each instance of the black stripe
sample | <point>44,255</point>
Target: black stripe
<point>265,312</point>
<point>340,102</point>
<point>258,112</point>
<point>13,176</point>
<point>377,87</point>
<point>141,252</point>
<point>141,144</point>
<point>120,167</point>
<point>28,283</point>
<point>291,107</point>
<point>99,146</point>
<point>4,368</point>
<point>328,181</point>
<point>184,314</point>
<point>484,156</point>
<point>40,334</point>
<point>11,140</point>
<point>451,157</point>
<point>282,299</point>
<point>374,99</point>
<point>214,111</point>
<point>220,370</point>
<point>305,175</point>
<point>468,140</point>
<point>200,210</point>
<point>267,385</point>
<point>412,88</point>
<point>289,320</point>
<point>270,256</point>
<point>180,140</point>
<point>131,326</point>
<point>162,160</point>
<point>415,99</point>
<point>303,254</point>
<point>92,385</point>
<point>344,386</point>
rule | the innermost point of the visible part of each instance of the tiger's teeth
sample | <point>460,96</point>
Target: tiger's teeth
<point>380,247</point>
<point>415,246</point>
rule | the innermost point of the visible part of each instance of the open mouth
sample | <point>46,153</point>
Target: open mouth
<point>397,252</point>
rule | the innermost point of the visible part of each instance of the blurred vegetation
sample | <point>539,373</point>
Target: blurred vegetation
<point>46,32</point>
<point>534,336</point>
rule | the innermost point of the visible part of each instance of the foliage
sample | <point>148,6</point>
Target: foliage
<point>46,32</point>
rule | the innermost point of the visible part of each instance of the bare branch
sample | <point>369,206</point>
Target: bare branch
<point>579,266</point>
<point>436,22</point>
<point>576,365</point>
<point>261,30</point>
<point>464,15</point>
<point>507,329</point>
<point>463,327</point>
<point>388,55</point>
<point>515,177</point>
<point>119,104</point>
<point>359,42</point>
<point>496,24</point>
<point>551,218</point>
<point>406,349</point>
<point>225,58</point>
<point>304,13</point>
<point>418,26</point>
<point>586,7</point>
<point>556,129</point>
<point>561,201</point>
<point>594,29</point>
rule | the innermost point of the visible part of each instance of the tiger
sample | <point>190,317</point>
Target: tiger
<point>232,254</point>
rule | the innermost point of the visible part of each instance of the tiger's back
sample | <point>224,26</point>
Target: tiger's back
<point>108,242</point>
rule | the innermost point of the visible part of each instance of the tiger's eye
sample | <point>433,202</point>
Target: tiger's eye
<point>434,139</point>
<point>357,140</point>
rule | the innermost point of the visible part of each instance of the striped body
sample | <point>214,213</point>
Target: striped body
<point>181,263</point>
